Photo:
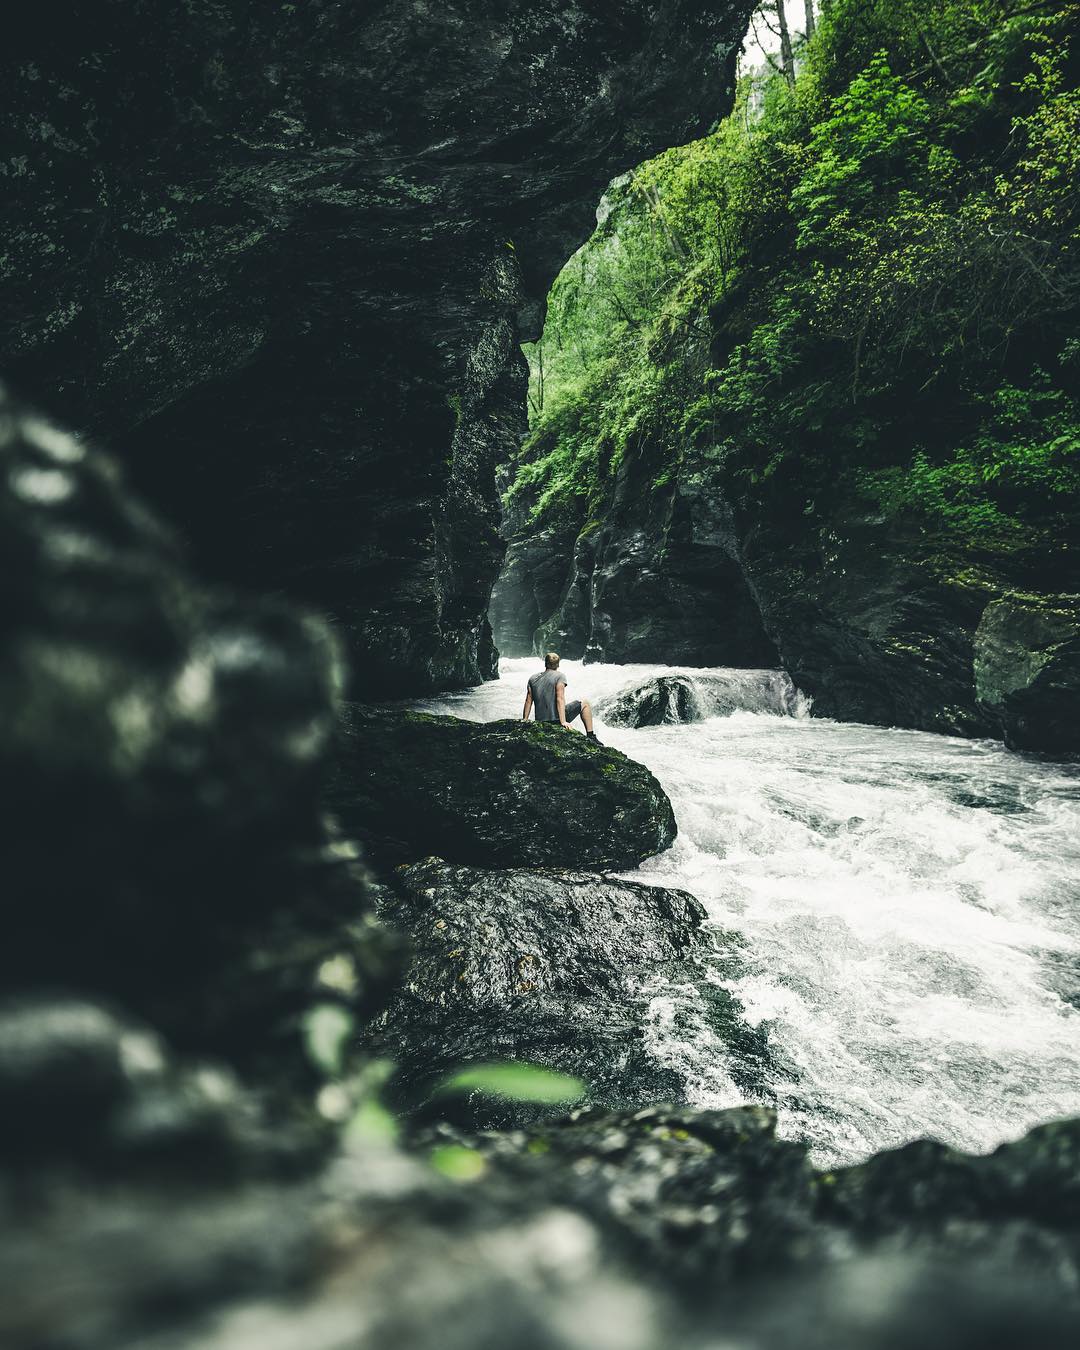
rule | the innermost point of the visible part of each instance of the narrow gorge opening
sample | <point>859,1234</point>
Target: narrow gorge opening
<point>346,1004</point>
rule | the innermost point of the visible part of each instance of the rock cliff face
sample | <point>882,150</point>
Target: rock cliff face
<point>281,257</point>
<point>868,623</point>
<point>879,624</point>
<point>650,578</point>
<point>680,560</point>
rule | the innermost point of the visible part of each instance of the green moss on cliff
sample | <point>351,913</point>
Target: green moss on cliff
<point>864,286</point>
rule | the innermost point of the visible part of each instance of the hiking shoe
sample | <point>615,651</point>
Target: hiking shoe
<point>591,736</point>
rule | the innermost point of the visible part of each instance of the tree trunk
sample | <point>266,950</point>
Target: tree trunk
<point>811,23</point>
<point>787,56</point>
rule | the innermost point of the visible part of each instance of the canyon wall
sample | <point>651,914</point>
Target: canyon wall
<point>280,260</point>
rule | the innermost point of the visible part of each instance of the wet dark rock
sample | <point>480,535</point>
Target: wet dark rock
<point>162,756</point>
<point>877,628</point>
<point>672,699</point>
<point>506,793</point>
<point>667,699</point>
<point>648,579</point>
<point>548,967</point>
<point>281,258</point>
<point>1027,670</point>
<point>863,623</point>
<point>927,1185</point>
<point>707,1197</point>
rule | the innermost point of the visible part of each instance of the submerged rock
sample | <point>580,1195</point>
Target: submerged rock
<point>506,793</point>
<point>672,699</point>
<point>667,699</point>
<point>553,968</point>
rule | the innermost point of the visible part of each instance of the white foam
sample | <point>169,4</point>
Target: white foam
<point>910,905</point>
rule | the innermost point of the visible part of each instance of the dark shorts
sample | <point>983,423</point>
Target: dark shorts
<point>572,710</point>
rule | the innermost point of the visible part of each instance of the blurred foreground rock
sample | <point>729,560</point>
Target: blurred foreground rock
<point>665,700</point>
<point>161,756</point>
<point>192,1224</point>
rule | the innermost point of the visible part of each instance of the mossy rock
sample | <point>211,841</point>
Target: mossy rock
<point>497,794</point>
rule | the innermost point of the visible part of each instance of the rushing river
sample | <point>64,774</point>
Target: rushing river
<point>909,906</point>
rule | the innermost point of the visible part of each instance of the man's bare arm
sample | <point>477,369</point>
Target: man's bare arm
<point>528,705</point>
<point>560,705</point>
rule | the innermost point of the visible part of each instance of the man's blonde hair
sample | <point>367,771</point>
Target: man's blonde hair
<point>551,661</point>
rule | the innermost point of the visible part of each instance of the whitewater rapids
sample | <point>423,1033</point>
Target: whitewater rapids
<point>908,907</point>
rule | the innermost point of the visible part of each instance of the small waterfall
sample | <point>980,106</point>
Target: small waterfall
<point>671,699</point>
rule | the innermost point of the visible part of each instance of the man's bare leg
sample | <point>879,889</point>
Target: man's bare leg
<point>586,715</point>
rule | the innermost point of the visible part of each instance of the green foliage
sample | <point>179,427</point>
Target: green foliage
<point>516,1083</point>
<point>869,280</point>
<point>1011,485</point>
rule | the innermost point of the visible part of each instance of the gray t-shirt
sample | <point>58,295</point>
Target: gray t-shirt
<point>543,687</point>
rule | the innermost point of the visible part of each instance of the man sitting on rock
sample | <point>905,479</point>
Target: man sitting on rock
<point>546,695</point>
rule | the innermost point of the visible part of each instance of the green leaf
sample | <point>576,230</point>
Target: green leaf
<point>515,1083</point>
<point>457,1163</point>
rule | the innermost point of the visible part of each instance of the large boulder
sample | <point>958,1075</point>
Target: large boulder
<point>498,794</point>
<point>281,257</point>
<point>1027,670</point>
<point>553,968</point>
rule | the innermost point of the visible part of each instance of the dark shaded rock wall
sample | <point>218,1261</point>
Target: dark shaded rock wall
<point>880,622</point>
<point>649,578</point>
<point>276,257</point>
